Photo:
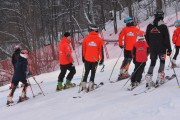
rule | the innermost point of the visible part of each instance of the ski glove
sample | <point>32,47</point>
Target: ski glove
<point>83,59</point>
<point>121,47</point>
<point>101,62</point>
<point>134,60</point>
<point>169,52</point>
<point>28,73</point>
<point>73,64</point>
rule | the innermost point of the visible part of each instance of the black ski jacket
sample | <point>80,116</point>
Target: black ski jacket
<point>20,70</point>
<point>157,37</point>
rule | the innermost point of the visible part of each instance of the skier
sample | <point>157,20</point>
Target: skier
<point>20,76</point>
<point>176,41</point>
<point>129,33</point>
<point>92,53</point>
<point>66,62</point>
<point>139,54</point>
<point>157,37</point>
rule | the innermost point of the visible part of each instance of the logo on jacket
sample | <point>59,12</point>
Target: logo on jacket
<point>140,48</point>
<point>130,34</point>
<point>155,30</point>
<point>92,44</point>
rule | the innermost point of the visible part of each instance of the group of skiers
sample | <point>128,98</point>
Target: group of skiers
<point>92,55</point>
<point>136,44</point>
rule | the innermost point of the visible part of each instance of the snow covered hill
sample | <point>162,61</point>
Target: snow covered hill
<point>109,102</point>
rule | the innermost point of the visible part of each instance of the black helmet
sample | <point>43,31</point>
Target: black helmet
<point>159,14</point>
<point>93,27</point>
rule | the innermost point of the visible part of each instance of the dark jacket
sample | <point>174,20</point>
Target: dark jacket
<point>15,56</point>
<point>157,37</point>
<point>20,69</point>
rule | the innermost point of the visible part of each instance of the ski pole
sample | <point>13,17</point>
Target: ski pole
<point>132,75</point>
<point>175,74</point>
<point>81,79</point>
<point>115,65</point>
<point>31,88</point>
<point>38,85</point>
<point>102,69</point>
<point>170,57</point>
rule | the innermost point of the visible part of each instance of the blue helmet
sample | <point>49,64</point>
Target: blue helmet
<point>128,20</point>
<point>177,23</point>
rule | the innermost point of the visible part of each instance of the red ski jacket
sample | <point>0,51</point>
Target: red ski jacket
<point>65,52</point>
<point>130,34</point>
<point>92,50</point>
<point>176,37</point>
<point>140,51</point>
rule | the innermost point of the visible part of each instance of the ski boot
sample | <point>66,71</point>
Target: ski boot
<point>132,86</point>
<point>83,86</point>
<point>59,86</point>
<point>69,84</point>
<point>160,79</point>
<point>90,86</point>
<point>23,97</point>
<point>123,74</point>
<point>149,81</point>
<point>9,100</point>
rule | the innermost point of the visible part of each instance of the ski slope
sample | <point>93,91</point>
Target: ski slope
<point>109,102</point>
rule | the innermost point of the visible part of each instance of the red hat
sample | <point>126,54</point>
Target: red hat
<point>24,54</point>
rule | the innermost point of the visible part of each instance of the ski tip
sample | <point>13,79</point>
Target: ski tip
<point>101,83</point>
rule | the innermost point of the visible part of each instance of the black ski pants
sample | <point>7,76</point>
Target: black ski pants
<point>90,66</point>
<point>177,52</point>
<point>153,57</point>
<point>64,69</point>
<point>138,71</point>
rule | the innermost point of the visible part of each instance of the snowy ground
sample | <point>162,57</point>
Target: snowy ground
<point>110,102</point>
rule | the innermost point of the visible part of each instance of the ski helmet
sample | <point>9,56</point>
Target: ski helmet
<point>24,53</point>
<point>93,27</point>
<point>159,14</point>
<point>177,23</point>
<point>17,47</point>
<point>128,20</point>
<point>141,35</point>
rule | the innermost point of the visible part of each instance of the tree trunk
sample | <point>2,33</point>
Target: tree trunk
<point>159,4</point>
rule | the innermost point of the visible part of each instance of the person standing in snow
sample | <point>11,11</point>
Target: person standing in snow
<point>176,41</point>
<point>92,53</point>
<point>20,74</point>
<point>66,62</point>
<point>129,33</point>
<point>139,54</point>
<point>157,37</point>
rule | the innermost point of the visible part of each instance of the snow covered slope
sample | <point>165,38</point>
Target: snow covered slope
<point>109,102</point>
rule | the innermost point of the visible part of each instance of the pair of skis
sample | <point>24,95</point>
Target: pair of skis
<point>167,78</point>
<point>96,86</point>
<point>17,102</point>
